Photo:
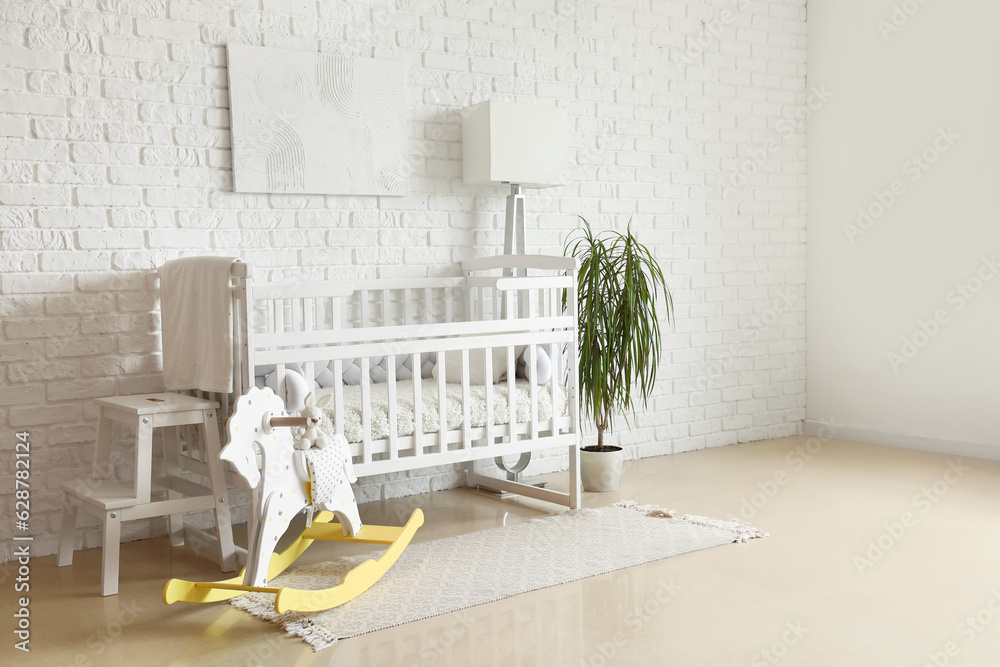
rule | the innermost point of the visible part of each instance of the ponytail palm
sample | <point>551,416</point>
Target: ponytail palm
<point>618,325</point>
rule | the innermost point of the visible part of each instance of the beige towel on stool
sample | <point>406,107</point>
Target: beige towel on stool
<point>197,320</point>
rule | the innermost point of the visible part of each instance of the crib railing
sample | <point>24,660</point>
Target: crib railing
<point>458,320</point>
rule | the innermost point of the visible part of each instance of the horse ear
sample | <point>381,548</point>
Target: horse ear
<point>324,401</point>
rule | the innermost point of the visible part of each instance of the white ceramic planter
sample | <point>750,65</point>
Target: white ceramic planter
<point>601,471</point>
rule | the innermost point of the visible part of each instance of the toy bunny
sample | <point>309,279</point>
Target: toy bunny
<point>311,436</point>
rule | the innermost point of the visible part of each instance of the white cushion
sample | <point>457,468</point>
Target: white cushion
<point>477,365</point>
<point>324,374</point>
<point>542,372</point>
<point>428,361</point>
<point>296,388</point>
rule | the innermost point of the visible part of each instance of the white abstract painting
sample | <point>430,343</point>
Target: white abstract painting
<point>314,123</point>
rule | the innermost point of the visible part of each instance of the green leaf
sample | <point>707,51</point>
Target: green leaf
<point>618,287</point>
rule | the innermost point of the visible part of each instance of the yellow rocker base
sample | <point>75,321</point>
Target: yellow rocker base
<point>354,583</point>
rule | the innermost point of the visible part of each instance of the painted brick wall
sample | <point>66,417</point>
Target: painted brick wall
<point>114,157</point>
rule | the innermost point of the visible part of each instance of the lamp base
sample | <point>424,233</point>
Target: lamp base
<point>513,475</point>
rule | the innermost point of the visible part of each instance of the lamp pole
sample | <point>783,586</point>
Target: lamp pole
<point>513,242</point>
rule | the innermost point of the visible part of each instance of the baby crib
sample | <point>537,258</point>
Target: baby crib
<point>388,350</point>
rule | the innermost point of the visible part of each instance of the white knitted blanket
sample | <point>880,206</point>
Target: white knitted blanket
<point>429,399</point>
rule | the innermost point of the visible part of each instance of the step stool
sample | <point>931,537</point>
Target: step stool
<point>114,502</point>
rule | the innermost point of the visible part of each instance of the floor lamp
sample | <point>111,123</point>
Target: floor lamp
<point>520,145</point>
<point>523,146</point>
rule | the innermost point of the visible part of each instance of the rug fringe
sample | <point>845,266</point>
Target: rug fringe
<point>743,532</point>
<point>317,637</point>
<point>261,605</point>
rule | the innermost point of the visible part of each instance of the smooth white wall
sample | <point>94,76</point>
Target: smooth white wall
<point>898,82</point>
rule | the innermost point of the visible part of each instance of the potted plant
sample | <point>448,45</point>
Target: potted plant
<point>619,338</point>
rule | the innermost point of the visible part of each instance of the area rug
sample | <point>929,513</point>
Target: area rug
<point>446,575</point>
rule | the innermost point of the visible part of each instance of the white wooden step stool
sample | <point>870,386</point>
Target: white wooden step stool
<point>114,502</point>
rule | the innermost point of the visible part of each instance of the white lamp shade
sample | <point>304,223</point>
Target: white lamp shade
<point>505,142</point>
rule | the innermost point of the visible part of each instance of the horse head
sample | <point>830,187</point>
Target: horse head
<point>245,427</point>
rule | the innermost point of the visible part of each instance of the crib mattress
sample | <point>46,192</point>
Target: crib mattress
<point>430,418</point>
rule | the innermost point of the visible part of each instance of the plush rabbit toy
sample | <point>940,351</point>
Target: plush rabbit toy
<point>311,436</point>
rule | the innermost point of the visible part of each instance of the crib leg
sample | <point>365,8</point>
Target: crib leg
<point>575,501</point>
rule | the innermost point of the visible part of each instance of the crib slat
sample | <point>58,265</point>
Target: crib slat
<point>511,394</point>
<point>573,398</point>
<point>279,326</point>
<point>554,359</point>
<point>469,298</point>
<point>279,316</point>
<point>418,407</point>
<point>336,314</point>
<point>310,369</point>
<point>393,407</point>
<point>363,315</point>
<point>427,306</point>
<point>386,309</point>
<point>308,314</point>
<point>366,412</point>
<point>533,388</point>
<point>442,405</point>
<point>269,317</point>
<point>338,396</point>
<point>466,403</point>
<point>296,307</point>
<point>244,340</point>
<point>279,382</point>
<point>489,396</point>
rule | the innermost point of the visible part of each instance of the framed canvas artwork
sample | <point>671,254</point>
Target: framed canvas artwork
<point>315,123</point>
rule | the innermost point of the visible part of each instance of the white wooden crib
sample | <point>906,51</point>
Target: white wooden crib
<point>472,324</point>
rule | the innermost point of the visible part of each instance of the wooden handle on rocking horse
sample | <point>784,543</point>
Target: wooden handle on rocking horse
<point>290,421</point>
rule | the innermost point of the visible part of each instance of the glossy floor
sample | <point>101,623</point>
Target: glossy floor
<point>877,556</point>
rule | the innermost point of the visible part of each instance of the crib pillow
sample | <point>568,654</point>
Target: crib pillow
<point>477,365</point>
<point>542,372</point>
<point>378,370</point>
<point>296,388</point>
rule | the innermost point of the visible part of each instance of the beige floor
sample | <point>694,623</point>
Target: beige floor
<point>819,591</point>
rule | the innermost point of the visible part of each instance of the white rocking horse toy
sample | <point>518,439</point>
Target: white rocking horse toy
<point>293,479</point>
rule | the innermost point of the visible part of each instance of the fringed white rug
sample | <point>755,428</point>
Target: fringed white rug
<point>453,573</point>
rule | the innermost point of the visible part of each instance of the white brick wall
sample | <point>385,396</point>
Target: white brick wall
<point>114,156</point>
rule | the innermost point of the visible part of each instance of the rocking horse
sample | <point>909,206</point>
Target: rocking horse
<point>290,480</point>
